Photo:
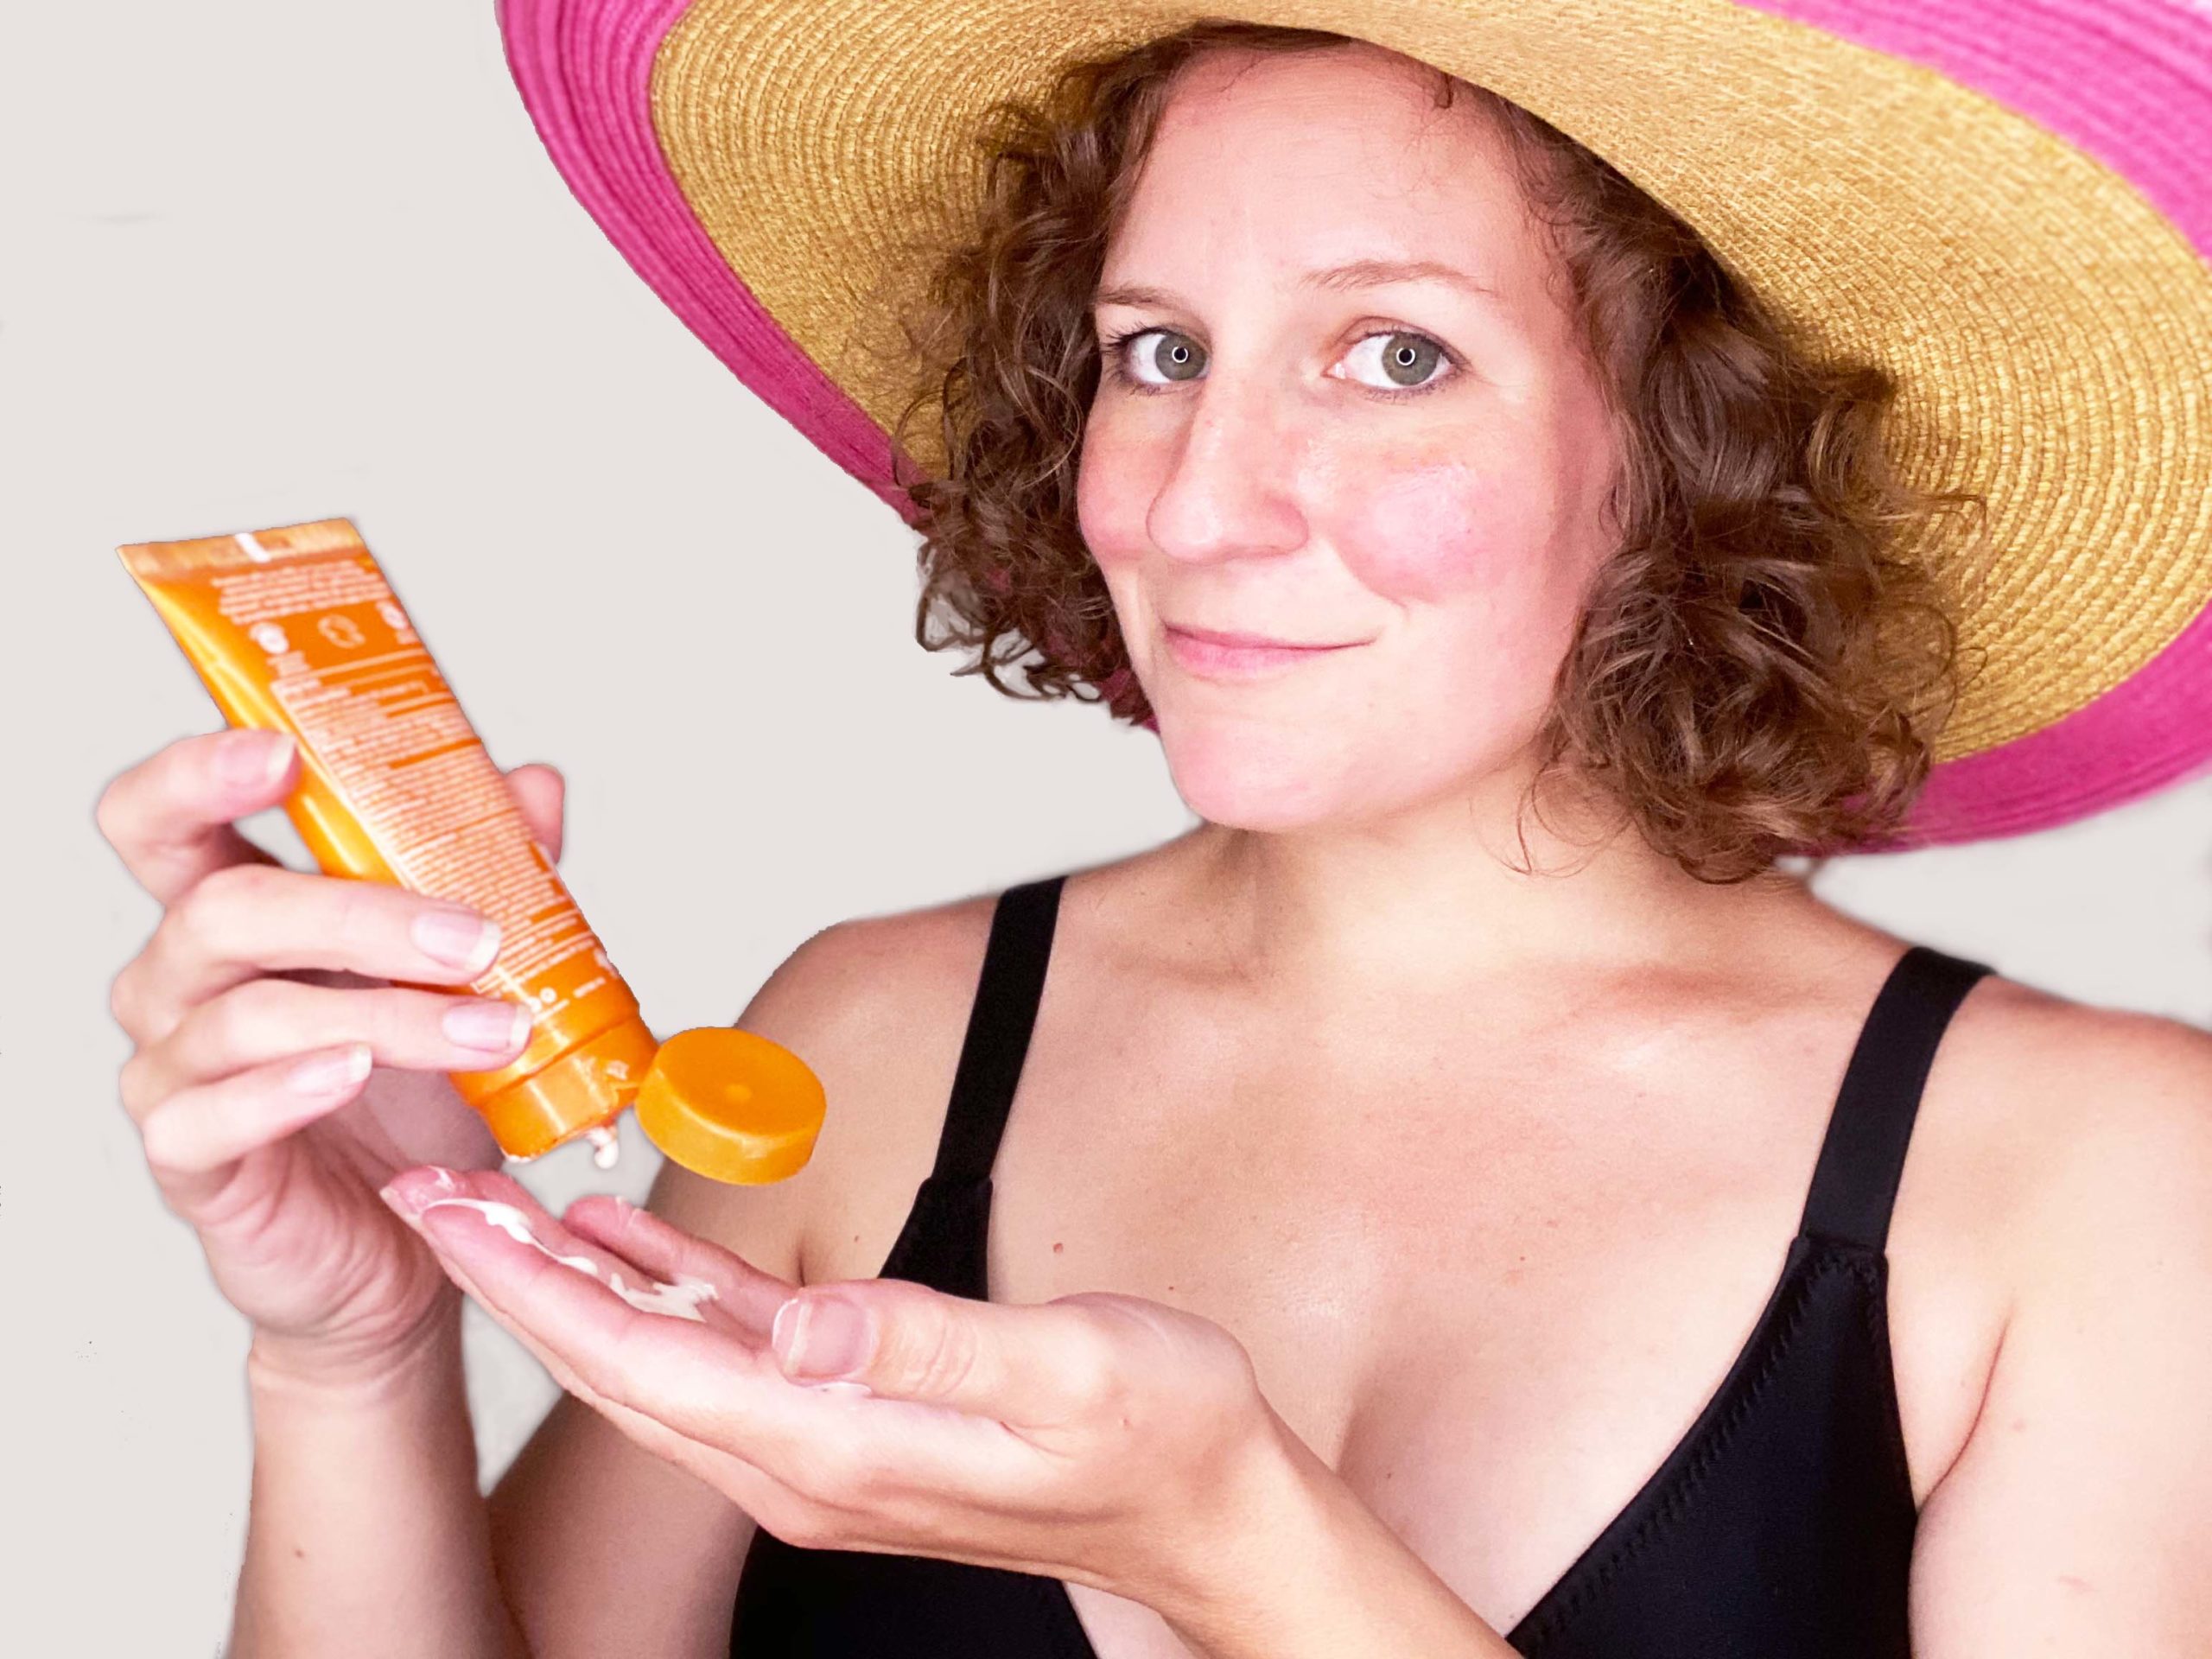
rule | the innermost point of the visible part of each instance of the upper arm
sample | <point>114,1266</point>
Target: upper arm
<point>2077,1519</point>
<point>602,1546</point>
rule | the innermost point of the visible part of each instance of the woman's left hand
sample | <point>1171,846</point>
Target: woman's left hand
<point>1101,1438</point>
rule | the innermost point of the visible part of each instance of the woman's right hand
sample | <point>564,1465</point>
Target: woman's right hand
<point>245,1005</point>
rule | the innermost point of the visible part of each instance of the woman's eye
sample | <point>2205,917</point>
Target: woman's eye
<point>1408,361</point>
<point>1181,360</point>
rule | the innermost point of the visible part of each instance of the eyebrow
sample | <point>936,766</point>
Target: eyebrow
<point>1358,273</point>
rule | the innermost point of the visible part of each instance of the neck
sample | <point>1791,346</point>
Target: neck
<point>1430,894</point>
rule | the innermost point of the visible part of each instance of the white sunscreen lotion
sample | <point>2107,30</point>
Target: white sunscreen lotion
<point>677,1301</point>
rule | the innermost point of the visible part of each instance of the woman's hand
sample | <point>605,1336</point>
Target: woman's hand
<point>255,988</point>
<point>1097,1437</point>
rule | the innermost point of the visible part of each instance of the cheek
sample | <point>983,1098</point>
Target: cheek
<point>1113,495</point>
<point>1437,529</point>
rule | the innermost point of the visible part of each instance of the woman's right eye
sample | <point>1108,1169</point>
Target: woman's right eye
<point>1181,360</point>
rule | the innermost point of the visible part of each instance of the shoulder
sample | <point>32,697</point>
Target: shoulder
<point>2085,1137</point>
<point>2088,1463</point>
<point>2080,1104</point>
<point>877,1006</point>
<point>858,980</point>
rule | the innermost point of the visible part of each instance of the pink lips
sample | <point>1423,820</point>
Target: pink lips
<point>1214,655</point>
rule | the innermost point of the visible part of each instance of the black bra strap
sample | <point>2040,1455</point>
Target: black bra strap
<point>1862,1160</point>
<point>999,1024</point>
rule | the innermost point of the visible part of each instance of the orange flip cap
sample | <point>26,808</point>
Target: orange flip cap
<point>730,1105</point>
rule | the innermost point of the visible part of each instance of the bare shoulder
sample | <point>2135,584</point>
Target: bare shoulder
<point>876,1006</point>
<point>2089,1124</point>
<point>2080,1500</point>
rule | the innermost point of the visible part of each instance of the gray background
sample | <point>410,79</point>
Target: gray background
<point>268,262</point>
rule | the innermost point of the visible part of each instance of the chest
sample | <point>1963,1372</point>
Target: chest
<point>1491,1281</point>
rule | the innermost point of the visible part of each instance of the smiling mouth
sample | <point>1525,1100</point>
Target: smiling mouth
<point>1249,641</point>
<point>1217,655</point>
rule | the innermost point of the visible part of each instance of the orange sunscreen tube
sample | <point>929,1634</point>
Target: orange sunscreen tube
<point>296,629</point>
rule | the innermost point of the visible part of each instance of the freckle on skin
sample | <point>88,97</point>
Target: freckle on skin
<point>1058,1247</point>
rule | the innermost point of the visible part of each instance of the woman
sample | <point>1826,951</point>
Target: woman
<point>1383,1254</point>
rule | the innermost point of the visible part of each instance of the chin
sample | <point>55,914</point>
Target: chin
<point>1255,779</point>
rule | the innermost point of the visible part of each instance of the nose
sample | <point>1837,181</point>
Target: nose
<point>1226,492</point>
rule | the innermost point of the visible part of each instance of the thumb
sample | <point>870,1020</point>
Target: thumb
<point>1019,1364</point>
<point>542,793</point>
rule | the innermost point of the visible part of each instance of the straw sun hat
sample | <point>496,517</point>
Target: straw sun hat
<point>2006,203</point>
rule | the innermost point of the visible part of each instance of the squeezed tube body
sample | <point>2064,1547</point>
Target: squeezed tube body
<point>296,629</point>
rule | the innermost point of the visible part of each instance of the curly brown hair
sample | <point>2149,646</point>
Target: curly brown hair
<point>1756,672</point>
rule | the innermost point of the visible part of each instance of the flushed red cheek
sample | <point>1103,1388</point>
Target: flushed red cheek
<point>1432,531</point>
<point>1111,519</point>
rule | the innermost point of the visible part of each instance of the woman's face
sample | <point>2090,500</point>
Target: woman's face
<point>1412,469</point>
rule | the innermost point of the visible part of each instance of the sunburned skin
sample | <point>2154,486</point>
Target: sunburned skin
<point>678,1301</point>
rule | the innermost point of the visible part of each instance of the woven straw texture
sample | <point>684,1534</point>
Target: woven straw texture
<point>2004,201</point>
<point>2050,328</point>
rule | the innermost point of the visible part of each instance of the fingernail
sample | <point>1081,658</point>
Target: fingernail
<point>326,1073</point>
<point>255,758</point>
<point>398,1203</point>
<point>459,938</point>
<point>494,1025</point>
<point>413,1191</point>
<point>820,1336</point>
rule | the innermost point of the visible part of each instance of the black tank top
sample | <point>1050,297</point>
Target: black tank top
<point>1780,1526</point>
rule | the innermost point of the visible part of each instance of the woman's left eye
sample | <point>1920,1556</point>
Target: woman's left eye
<point>1407,360</point>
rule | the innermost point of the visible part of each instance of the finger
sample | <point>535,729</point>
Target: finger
<point>776,1506</point>
<point>824,1464</point>
<point>169,818</point>
<point>709,1463</point>
<point>487,1226</point>
<point>502,1203</point>
<point>836,1447</point>
<point>529,1273</point>
<point>1034,1366</point>
<point>539,792</point>
<point>265,1020</point>
<point>749,1296</point>
<point>247,920</point>
<point>411,1191</point>
<point>752,1488</point>
<point>192,1138</point>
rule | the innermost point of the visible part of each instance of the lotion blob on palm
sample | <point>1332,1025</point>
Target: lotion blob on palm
<point>678,1300</point>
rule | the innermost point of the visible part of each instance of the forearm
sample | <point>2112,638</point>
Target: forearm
<point>367,1532</point>
<point>1310,1570</point>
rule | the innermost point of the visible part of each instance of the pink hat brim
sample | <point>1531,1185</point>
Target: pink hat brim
<point>2126,81</point>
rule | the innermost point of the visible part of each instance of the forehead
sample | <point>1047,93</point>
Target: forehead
<point>1288,162</point>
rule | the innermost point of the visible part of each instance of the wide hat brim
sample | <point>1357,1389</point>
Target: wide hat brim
<point>2004,202</point>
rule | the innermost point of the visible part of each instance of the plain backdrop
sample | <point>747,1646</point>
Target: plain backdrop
<point>266,262</point>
